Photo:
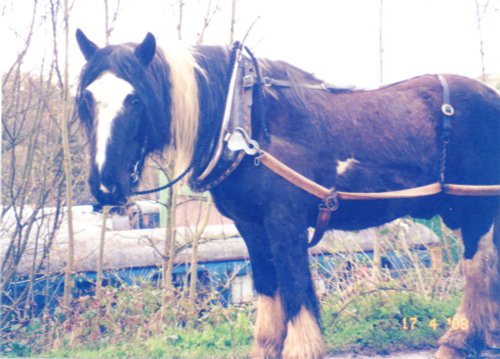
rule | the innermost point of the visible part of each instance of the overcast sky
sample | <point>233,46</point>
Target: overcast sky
<point>338,40</point>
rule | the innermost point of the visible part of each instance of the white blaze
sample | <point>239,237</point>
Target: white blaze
<point>109,92</point>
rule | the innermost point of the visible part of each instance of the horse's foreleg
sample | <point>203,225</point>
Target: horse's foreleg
<point>477,320</point>
<point>303,334</point>
<point>270,330</point>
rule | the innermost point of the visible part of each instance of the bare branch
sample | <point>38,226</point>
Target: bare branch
<point>211,9</point>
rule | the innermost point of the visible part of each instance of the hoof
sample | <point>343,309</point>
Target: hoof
<point>446,352</point>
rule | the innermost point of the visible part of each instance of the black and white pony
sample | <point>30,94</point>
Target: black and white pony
<point>135,99</point>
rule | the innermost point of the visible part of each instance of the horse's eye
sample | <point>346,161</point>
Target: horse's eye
<point>132,101</point>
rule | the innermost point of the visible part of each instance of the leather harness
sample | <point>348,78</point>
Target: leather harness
<point>235,140</point>
<point>331,197</point>
<point>240,140</point>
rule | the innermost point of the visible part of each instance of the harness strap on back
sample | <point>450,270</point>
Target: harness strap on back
<point>322,86</point>
<point>448,111</point>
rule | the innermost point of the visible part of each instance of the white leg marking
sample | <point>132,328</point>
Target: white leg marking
<point>343,166</point>
<point>303,339</point>
<point>109,92</point>
<point>270,328</point>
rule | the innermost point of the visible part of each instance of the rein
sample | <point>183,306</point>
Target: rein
<point>168,185</point>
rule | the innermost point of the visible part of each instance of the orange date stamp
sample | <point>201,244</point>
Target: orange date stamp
<point>411,323</point>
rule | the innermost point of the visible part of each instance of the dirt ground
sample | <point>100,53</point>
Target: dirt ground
<point>427,354</point>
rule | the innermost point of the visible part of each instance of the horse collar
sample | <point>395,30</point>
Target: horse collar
<point>237,116</point>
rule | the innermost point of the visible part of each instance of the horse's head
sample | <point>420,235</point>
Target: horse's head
<point>126,100</point>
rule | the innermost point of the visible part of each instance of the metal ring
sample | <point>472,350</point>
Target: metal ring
<point>448,109</point>
<point>267,82</point>
<point>331,202</point>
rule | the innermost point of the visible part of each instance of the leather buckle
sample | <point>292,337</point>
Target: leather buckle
<point>248,81</point>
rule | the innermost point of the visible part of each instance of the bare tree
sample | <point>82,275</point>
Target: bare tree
<point>194,257</point>
<point>380,42</point>
<point>36,109</point>
<point>170,244</point>
<point>64,120</point>
<point>110,20</point>
<point>480,12</point>
<point>100,260</point>
<point>32,176</point>
<point>212,8</point>
<point>180,18</point>
<point>233,21</point>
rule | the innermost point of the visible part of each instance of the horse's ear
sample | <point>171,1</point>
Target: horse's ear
<point>87,47</point>
<point>146,49</point>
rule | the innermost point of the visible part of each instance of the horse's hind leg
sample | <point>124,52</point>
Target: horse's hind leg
<point>477,321</point>
<point>288,241</point>
<point>493,334</point>
<point>270,330</point>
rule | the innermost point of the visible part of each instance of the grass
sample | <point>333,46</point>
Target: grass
<point>393,310</point>
<point>203,343</point>
<point>386,321</point>
<point>370,322</point>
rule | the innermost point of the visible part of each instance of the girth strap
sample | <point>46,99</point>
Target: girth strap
<point>322,192</point>
<point>331,204</point>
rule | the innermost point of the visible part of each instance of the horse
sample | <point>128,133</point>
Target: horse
<point>137,99</point>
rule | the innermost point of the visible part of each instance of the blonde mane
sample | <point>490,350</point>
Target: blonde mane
<point>185,109</point>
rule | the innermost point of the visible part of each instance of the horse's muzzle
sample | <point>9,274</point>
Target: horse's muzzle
<point>109,193</point>
<point>109,198</point>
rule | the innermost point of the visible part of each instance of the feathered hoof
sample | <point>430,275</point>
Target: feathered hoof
<point>304,339</point>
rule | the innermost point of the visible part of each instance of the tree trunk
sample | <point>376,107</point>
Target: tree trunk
<point>98,284</point>
<point>479,19</point>
<point>68,281</point>
<point>380,43</point>
<point>194,256</point>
